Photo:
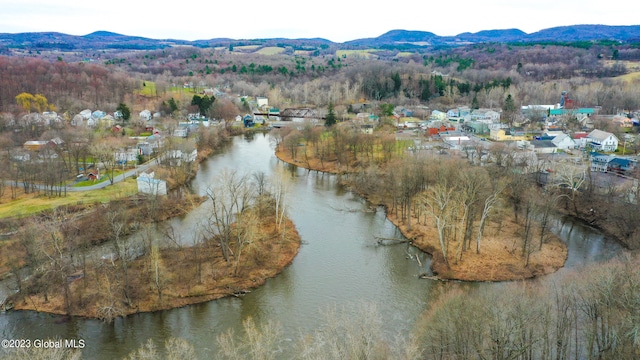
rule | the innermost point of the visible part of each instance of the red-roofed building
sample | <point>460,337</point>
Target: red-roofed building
<point>431,131</point>
<point>580,138</point>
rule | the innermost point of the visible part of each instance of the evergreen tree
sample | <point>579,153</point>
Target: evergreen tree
<point>125,111</point>
<point>509,105</point>
<point>173,106</point>
<point>203,103</point>
<point>330,119</point>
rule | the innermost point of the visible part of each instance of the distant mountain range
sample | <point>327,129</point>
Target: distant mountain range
<point>393,39</point>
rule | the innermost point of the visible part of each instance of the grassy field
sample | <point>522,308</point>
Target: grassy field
<point>270,50</point>
<point>29,204</point>
<point>148,89</point>
<point>404,54</point>
<point>246,48</point>
<point>356,53</point>
<point>630,77</point>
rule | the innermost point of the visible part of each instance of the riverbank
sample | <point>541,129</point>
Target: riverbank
<point>170,278</point>
<point>498,260</point>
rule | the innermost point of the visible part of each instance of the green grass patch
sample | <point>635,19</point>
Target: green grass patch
<point>270,50</point>
<point>404,54</point>
<point>404,144</point>
<point>148,88</point>
<point>27,206</point>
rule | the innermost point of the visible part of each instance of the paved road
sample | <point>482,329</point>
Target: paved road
<point>70,188</point>
<point>141,168</point>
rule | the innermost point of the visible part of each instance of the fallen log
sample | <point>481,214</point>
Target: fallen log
<point>390,241</point>
<point>425,276</point>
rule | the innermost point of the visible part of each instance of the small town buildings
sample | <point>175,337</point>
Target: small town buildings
<point>611,163</point>
<point>485,115</point>
<point>476,127</point>
<point>621,166</point>
<point>602,141</point>
<point>438,115</point>
<point>456,142</point>
<point>434,130</point>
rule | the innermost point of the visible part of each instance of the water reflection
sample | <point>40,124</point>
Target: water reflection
<point>338,263</point>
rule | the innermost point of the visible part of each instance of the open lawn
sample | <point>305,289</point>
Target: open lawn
<point>148,89</point>
<point>29,204</point>
<point>270,50</point>
<point>630,77</point>
<point>246,48</point>
<point>366,54</point>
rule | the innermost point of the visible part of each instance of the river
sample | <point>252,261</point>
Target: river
<point>339,265</point>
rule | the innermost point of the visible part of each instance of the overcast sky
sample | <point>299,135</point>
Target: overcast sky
<point>334,20</point>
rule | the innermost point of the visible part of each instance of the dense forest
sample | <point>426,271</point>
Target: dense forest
<point>481,74</point>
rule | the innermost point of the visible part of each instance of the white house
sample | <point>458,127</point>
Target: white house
<point>486,116</point>
<point>145,115</point>
<point>129,155</point>
<point>564,142</point>
<point>602,140</point>
<point>438,115</point>
<point>262,102</point>
<point>147,184</point>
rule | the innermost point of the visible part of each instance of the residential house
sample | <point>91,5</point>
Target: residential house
<point>78,120</point>
<point>148,184</point>
<point>93,175</point>
<point>564,142</point>
<point>438,115</point>
<point>544,147</point>
<point>602,141</point>
<point>262,102</point>
<point>176,156</point>
<point>599,162</point>
<point>98,115</point>
<point>107,121</point>
<point>86,114</point>
<point>35,145</point>
<point>622,121</point>
<point>180,132</point>
<point>580,138</point>
<point>506,135</point>
<point>485,115</point>
<point>621,165</point>
<point>475,127</point>
<point>145,115</point>
<point>128,155</point>
<point>460,112</point>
